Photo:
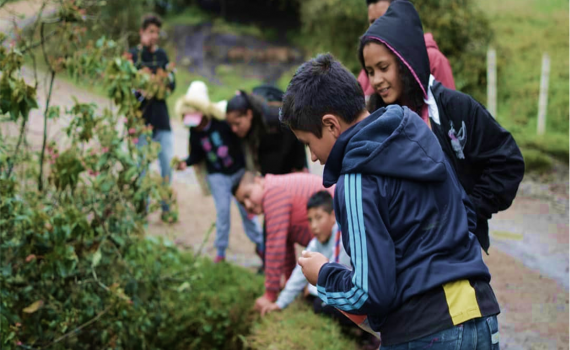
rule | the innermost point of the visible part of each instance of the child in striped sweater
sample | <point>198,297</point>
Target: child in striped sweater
<point>282,199</point>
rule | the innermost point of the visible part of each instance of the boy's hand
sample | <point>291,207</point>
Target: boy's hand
<point>269,308</point>
<point>311,263</point>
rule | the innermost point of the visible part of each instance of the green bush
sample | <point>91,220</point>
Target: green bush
<point>297,327</point>
<point>161,299</point>
<point>460,29</point>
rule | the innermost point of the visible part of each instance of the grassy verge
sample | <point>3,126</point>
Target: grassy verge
<point>297,327</point>
<point>524,30</point>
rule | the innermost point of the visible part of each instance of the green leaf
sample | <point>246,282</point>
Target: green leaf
<point>96,258</point>
<point>34,307</point>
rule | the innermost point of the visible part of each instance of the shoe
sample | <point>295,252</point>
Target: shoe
<point>219,259</point>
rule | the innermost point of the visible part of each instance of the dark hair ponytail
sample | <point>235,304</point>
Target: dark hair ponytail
<point>412,94</point>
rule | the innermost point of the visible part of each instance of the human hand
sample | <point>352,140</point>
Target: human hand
<point>311,263</point>
<point>261,303</point>
<point>182,165</point>
<point>269,308</point>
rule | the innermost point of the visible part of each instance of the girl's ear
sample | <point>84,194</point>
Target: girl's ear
<point>331,124</point>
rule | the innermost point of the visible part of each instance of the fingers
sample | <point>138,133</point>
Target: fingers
<point>303,261</point>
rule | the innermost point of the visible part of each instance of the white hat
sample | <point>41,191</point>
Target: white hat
<point>197,100</point>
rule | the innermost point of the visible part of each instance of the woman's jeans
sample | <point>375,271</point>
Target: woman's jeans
<point>221,188</point>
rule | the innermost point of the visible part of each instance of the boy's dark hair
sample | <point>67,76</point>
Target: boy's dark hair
<point>321,86</point>
<point>149,19</point>
<point>412,94</point>
<point>321,199</point>
<point>370,2</point>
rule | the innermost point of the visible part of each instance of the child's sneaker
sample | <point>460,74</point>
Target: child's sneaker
<point>219,259</point>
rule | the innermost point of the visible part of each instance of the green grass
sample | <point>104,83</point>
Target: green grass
<point>297,327</point>
<point>524,30</point>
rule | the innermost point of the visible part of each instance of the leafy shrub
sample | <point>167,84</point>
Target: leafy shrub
<point>76,271</point>
<point>298,327</point>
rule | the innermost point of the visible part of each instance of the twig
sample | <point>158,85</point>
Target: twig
<point>76,330</point>
<point>39,43</point>
<point>22,131</point>
<point>205,240</point>
<point>40,178</point>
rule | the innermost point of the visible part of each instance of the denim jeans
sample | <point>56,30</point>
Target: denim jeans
<point>477,334</point>
<point>166,140</point>
<point>221,188</point>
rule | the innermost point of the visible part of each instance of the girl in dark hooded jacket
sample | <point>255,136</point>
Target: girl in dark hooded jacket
<point>485,156</point>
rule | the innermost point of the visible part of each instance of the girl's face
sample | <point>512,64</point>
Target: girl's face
<point>383,72</point>
<point>240,123</point>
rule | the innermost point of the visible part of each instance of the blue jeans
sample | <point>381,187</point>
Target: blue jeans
<point>166,140</point>
<point>221,188</point>
<point>477,334</point>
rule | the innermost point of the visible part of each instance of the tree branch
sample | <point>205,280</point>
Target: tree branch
<point>76,330</point>
<point>22,131</point>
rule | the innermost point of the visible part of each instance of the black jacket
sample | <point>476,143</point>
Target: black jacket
<point>219,146</point>
<point>484,155</point>
<point>155,112</point>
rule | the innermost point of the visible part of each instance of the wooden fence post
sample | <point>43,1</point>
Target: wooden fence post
<point>492,82</point>
<point>543,97</point>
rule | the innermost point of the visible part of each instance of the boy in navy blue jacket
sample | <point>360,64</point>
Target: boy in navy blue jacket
<point>406,222</point>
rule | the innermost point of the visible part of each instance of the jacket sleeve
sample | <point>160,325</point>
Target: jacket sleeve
<point>277,213</point>
<point>494,147</point>
<point>296,282</point>
<point>361,207</point>
<point>196,151</point>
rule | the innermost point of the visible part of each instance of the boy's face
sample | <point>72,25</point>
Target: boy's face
<point>251,196</point>
<point>377,10</point>
<point>320,147</point>
<point>321,223</point>
<point>150,35</point>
